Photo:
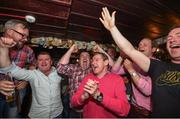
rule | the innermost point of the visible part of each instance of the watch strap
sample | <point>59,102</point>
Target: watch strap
<point>99,98</point>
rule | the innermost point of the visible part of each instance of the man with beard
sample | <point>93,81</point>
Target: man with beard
<point>21,54</point>
<point>75,73</point>
<point>101,93</point>
<point>165,76</point>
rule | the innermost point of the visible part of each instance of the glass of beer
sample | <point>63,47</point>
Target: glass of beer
<point>11,98</point>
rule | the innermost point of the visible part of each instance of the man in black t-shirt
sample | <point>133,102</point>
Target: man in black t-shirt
<point>165,76</point>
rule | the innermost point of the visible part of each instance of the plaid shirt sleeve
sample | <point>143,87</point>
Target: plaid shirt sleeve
<point>31,56</point>
<point>66,69</point>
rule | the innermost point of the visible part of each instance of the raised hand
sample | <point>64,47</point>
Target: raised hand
<point>107,20</point>
<point>97,48</point>
<point>74,48</point>
<point>7,42</point>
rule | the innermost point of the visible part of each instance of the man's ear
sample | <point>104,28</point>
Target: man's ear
<point>106,62</point>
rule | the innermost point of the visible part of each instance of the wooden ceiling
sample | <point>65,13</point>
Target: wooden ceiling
<point>79,19</point>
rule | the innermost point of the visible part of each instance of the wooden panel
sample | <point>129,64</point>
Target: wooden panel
<point>85,22</point>
<point>37,7</point>
<point>86,7</point>
<point>60,2</point>
<point>39,18</point>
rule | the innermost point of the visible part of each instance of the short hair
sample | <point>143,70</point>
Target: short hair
<point>153,44</point>
<point>111,47</point>
<point>173,27</point>
<point>82,51</point>
<point>44,53</point>
<point>13,22</point>
<point>104,56</point>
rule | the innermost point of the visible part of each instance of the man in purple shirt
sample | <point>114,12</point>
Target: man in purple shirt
<point>141,82</point>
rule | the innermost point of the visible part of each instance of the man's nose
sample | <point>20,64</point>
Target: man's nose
<point>172,39</point>
<point>43,62</point>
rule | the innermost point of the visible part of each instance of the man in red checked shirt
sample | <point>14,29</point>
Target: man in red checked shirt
<point>21,55</point>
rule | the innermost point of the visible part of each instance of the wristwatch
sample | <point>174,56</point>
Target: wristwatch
<point>99,98</point>
<point>133,74</point>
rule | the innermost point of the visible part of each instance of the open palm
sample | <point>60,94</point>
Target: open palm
<point>107,20</point>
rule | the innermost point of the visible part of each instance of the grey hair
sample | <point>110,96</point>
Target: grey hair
<point>10,24</point>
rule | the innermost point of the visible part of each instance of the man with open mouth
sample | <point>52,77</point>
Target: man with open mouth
<point>165,75</point>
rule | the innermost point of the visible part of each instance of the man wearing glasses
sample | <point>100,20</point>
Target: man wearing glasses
<point>21,54</point>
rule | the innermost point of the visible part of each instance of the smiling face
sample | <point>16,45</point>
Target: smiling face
<point>44,63</point>
<point>145,46</point>
<point>99,65</point>
<point>84,60</point>
<point>173,45</point>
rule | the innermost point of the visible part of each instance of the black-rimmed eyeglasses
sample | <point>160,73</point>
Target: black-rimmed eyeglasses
<point>23,35</point>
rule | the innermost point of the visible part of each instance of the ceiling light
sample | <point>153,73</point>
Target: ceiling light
<point>30,19</point>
